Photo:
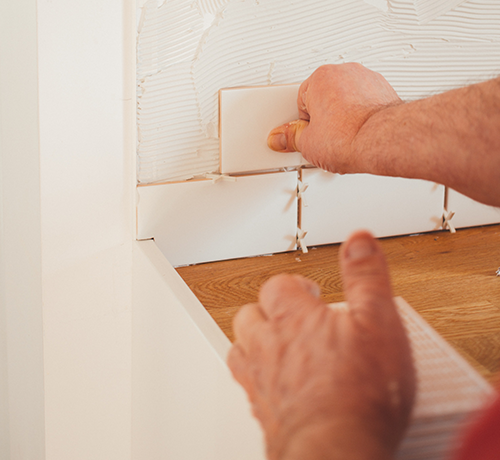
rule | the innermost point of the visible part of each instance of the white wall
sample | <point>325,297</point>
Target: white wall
<point>67,130</point>
<point>21,341</point>
<point>87,177</point>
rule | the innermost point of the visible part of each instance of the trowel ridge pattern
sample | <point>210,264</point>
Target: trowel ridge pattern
<point>187,50</point>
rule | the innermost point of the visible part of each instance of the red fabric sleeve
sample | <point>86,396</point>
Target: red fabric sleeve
<point>482,441</point>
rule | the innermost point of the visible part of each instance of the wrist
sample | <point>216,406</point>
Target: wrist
<point>331,442</point>
<point>373,143</point>
<point>359,433</point>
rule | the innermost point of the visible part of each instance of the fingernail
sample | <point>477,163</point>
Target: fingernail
<point>276,141</point>
<point>360,248</point>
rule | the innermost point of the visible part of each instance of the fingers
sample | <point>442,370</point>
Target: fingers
<point>246,320</point>
<point>286,138</point>
<point>284,294</point>
<point>278,297</point>
<point>238,365</point>
<point>245,323</point>
<point>366,279</point>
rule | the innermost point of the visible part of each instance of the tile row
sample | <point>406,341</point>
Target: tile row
<point>208,220</point>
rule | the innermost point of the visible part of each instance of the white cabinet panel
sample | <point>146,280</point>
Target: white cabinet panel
<point>247,115</point>
<point>469,213</point>
<point>201,221</point>
<point>185,403</point>
<point>335,205</point>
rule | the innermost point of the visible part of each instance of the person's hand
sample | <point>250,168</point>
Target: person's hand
<point>324,383</point>
<point>334,103</point>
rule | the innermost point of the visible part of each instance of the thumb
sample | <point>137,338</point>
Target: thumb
<point>286,138</point>
<point>366,280</point>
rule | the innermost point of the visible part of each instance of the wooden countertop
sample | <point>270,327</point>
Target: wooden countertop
<point>450,279</point>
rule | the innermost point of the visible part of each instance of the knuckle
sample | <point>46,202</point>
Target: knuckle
<point>324,70</point>
<point>278,282</point>
<point>241,315</point>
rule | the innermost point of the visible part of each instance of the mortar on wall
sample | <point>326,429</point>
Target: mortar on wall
<point>189,49</point>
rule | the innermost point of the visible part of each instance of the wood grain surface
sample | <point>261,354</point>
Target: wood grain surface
<point>450,279</point>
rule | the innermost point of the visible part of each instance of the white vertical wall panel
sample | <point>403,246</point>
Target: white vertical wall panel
<point>201,221</point>
<point>185,403</point>
<point>22,408</point>
<point>247,115</point>
<point>87,105</point>
<point>469,213</point>
<point>335,205</point>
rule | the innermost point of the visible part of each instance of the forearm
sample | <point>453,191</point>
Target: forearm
<point>451,138</point>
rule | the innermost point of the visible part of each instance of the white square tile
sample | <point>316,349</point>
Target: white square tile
<point>247,115</point>
<point>470,213</point>
<point>334,206</point>
<point>202,221</point>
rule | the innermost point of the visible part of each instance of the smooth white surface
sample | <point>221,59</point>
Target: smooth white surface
<point>201,221</point>
<point>21,334</point>
<point>247,115</point>
<point>185,403</point>
<point>87,108</point>
<point>470,213</point>
<point>334,206</point>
